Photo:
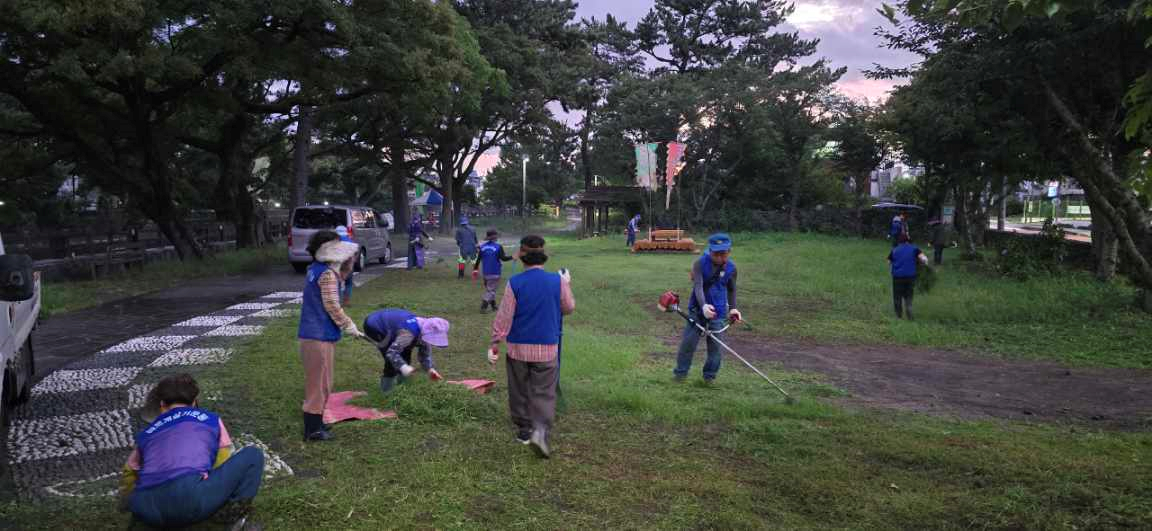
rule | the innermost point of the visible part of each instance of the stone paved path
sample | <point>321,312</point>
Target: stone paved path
<point>73,436</point>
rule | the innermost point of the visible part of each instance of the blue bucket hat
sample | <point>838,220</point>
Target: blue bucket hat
<point>463,220</point>
<point>719,242</point>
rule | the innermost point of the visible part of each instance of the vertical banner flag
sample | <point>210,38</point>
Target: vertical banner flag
<point>672,168</point>
<point>646,166</point>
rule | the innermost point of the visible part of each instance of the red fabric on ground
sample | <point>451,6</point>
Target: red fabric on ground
<point>337,410</point>
<point>480,386</point>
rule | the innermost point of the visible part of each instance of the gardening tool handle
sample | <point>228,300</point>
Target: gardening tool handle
<point>712,335</point>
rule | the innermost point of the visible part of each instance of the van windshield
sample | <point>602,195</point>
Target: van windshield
<point>319,218</point>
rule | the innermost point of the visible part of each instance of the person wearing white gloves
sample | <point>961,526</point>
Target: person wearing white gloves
<point>530,319</point>
<point>397,333</point>
<point>713,298</point>
<point>322,320</point>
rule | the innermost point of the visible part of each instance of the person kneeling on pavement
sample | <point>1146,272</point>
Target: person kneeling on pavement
<point>397,333</point>
<point>530,318</point>
<point>182,470</point>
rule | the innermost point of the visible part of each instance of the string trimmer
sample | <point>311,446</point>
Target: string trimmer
<point>670,302</point>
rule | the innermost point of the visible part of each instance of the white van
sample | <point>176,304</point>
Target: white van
<point>365,227</point>
<point>19,312</point>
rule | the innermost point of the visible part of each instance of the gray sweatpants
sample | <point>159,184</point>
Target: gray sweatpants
<point>491,282</point>
<point>532,393</point>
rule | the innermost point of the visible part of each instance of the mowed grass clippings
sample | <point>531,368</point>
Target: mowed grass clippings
<point>634,450</point>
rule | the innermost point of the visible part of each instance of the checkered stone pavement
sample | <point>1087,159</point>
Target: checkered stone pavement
<point>74,435</point>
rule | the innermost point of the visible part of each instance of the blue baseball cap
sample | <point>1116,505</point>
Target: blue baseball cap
<point>719,242</point>
<point>463,220</point>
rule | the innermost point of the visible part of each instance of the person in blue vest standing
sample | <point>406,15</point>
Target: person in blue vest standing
<point>397,333</point>
<point>182,470</point>
<point>903,260</point>
<point>346,295</point>
<point>713,298</point>
<point>489,259</point>
<point>898,226</point>
<point>530,319</point>
<point>633,226</point>
<point>416,236</point>
<point>322,320</point>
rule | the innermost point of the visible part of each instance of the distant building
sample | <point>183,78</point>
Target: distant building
<point>882,178</point>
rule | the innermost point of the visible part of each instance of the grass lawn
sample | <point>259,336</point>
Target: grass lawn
<point>635,450</point>
<point>65,296</point>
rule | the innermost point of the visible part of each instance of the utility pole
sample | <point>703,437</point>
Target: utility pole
<point>524,190</point>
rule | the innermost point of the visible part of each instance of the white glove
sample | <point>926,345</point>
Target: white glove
<point>493,355</point>
<point>407,370</point>
<point>709,311</point>
<point>734,315</point>
<point>351,329</point>
<point>430,238</point>
<point>566,276</point>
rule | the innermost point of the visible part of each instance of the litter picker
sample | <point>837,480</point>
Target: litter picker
<point>670,302</point>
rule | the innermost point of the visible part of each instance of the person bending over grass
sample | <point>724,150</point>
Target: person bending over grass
<point>397,333</point>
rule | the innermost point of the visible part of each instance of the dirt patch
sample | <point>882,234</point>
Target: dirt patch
<point>962,384</point>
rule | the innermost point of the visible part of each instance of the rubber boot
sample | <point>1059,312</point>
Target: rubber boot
<point>314,428</point>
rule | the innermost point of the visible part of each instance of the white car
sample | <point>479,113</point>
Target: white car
<point>365,227</point>
<point>19,313</point>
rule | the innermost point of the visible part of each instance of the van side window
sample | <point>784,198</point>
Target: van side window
<point>362,219</point>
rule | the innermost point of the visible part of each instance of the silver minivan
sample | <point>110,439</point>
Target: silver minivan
<point>365,227</point>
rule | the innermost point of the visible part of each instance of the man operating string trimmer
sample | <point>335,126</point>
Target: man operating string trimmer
<point>713,297</point>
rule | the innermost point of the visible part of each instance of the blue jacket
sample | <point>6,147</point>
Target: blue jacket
<point>903,259</point>
<point>314,320</point>
<point>180,442</point>
<point>382,326</point>
<point>538,318</point>
<point>490,253</point>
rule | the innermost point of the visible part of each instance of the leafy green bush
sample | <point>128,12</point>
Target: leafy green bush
<point>1025,257</point>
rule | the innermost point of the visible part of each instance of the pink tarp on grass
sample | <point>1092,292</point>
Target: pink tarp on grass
<point>480,386</point>
<point>338,410</point>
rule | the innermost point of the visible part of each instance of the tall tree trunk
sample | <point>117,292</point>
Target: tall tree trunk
<point>302,164</point>
<point>794,202</point>
<point>399,180</point>
<point>1116,201</point>
<point>1104,246</point>
<point>862,184</point>
<point>447,172</point>
<point>589,176</point>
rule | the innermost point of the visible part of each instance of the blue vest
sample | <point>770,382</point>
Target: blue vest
<point>384,324</point>
<point>490,258</point>
<point>180,442</point>
<point>314,320</point>
<point>716,292</point>
<point>538,318</point>
<point>904,260</point>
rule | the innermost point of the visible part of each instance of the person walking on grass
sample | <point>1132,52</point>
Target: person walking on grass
<point>713,298</point>
<point>466,243</point>
<point>633,226</point>
<point>397,333</point>
<point>322,320</point>
<point>903,260</point>
<point>489,262</point>
<point>898,226</point>
<point>530,320</point>
<point>940,238</point>
<point>416,238</point>
<point>182,470</point>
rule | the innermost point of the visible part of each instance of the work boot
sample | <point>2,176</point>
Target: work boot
<point>524,436</point>
<point>539,443</point>
<point>314,428</point>
<point>483,306</point>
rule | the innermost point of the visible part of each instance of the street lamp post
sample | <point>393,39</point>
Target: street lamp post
<point>524,189</point>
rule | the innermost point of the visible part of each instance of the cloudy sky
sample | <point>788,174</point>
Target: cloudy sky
<point>844,27</point>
